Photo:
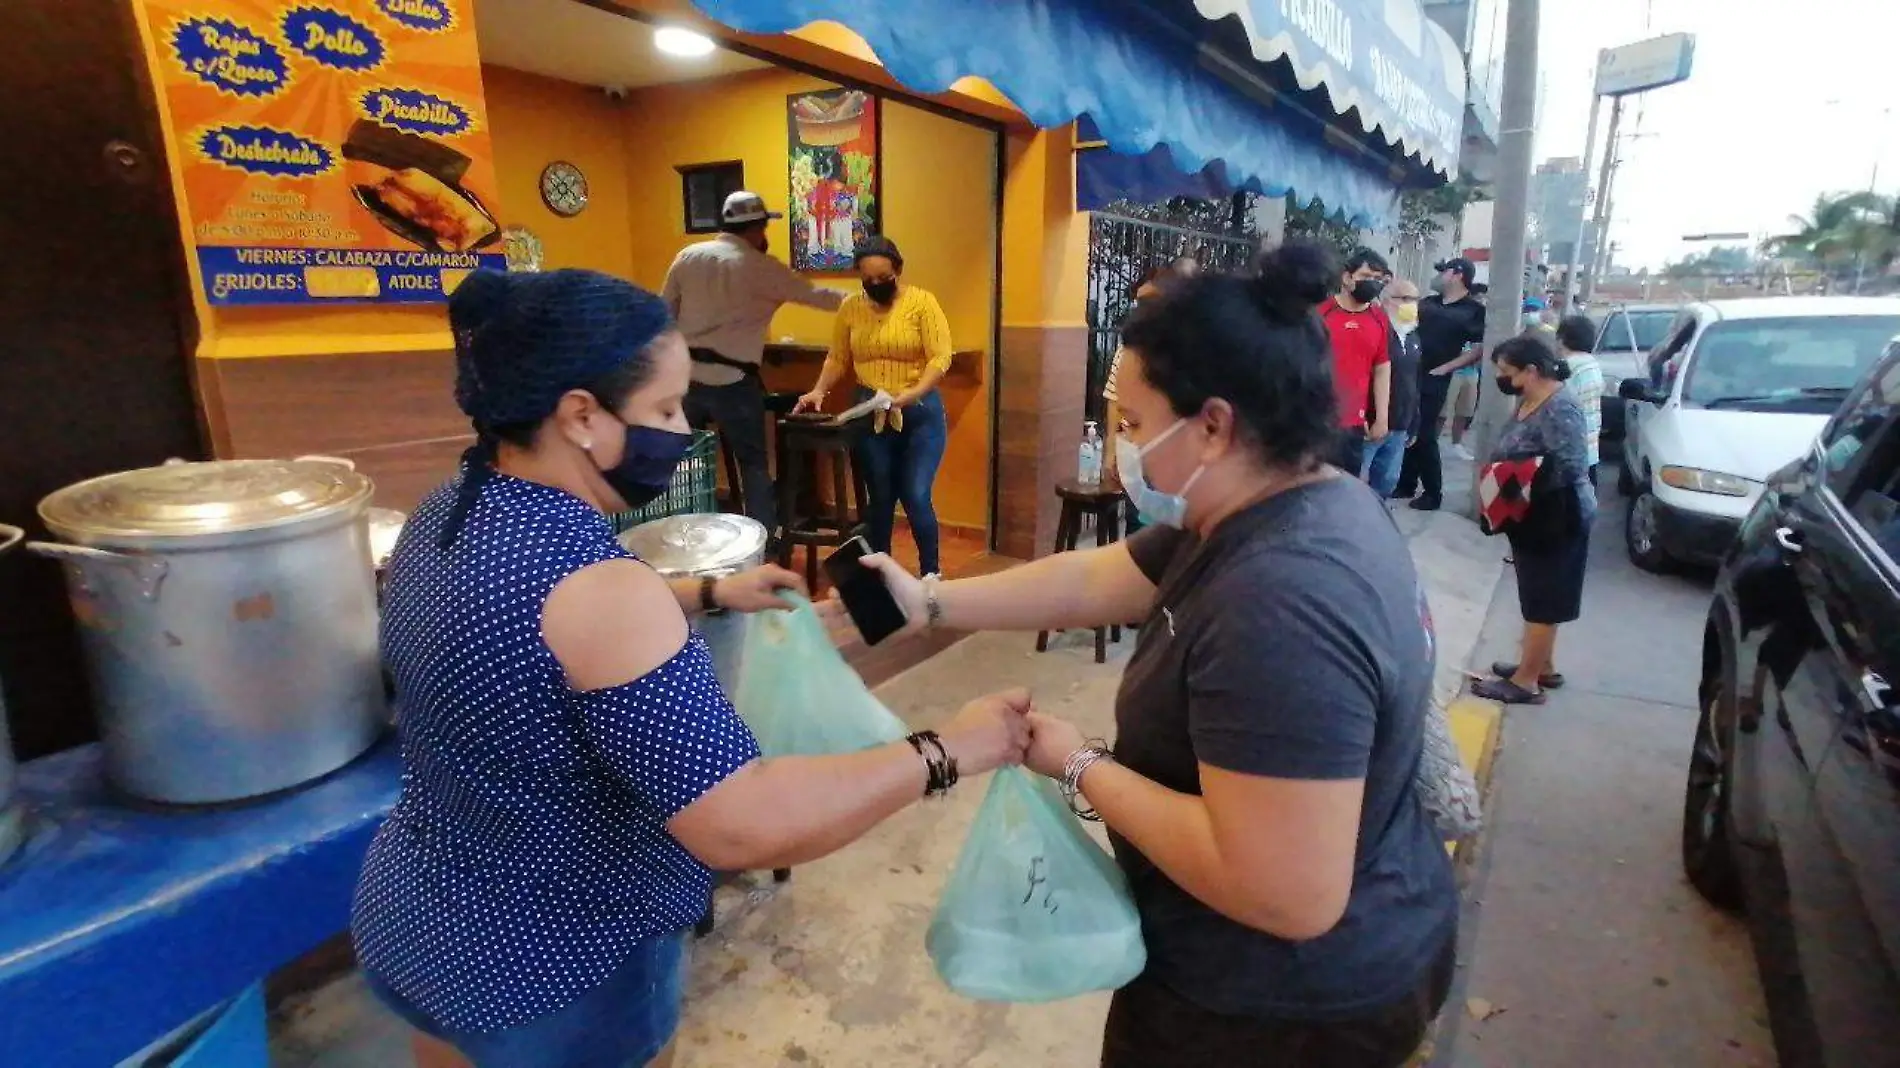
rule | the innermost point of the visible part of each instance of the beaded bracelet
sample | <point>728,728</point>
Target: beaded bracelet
<point>940,767</point>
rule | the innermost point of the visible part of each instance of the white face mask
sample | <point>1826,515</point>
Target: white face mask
<point>1160,509</point>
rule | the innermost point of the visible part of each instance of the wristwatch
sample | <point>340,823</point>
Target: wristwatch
<point>708,602</point>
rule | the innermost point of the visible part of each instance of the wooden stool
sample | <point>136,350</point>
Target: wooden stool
<point>1104,502</point>
<point>806,448</point>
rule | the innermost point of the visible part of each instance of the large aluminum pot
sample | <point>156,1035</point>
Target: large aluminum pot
<point>701,546</point>
<point>12,815</point>
<point>228,613</point>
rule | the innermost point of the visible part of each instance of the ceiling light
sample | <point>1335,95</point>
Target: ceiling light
<point>678,42</point>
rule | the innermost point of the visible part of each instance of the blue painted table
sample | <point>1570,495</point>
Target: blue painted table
<point>118,925</point>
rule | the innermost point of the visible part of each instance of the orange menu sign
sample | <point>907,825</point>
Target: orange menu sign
<point>330,150</point>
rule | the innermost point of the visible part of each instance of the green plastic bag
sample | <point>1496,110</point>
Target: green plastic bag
<point>1035,910</point>
<point>797,693</point>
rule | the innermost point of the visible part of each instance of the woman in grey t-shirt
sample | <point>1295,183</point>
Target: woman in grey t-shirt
<point>1298,906</point>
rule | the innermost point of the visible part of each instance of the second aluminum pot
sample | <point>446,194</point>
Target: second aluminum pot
<point>705,546</point>
<point>228,614</point>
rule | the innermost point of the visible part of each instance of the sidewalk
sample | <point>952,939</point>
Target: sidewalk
<point>830,969</point>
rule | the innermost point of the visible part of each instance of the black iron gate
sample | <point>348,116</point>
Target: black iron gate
<point>1121,253</point>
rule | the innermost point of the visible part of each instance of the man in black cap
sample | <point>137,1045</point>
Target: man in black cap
<point>1450,331</point>
<point>724,293</point>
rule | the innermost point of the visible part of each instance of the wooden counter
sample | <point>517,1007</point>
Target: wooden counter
<point>966,365</point>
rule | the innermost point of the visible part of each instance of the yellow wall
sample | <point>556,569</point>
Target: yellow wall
<point>938,182</point>
<point>938,191</point>
<point>1045,240</point>
<point>537,121</point>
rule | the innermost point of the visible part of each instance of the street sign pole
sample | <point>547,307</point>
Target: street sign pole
<point>1502,315</point>
<point>1573,275</point>
<point>1601,215</point>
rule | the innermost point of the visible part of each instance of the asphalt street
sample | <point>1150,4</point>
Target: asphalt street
<point>1583,943</point>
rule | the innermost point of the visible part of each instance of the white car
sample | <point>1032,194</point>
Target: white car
<point>1737,389</point>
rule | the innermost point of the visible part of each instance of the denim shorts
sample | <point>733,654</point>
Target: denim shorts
<point>623,1023</point>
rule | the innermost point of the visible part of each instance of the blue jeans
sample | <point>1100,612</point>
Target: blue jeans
<point>623,1023</point>
<point>1381,466</point>
<point>901,466</point>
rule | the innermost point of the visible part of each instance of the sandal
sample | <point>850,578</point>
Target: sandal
<point>1549,680</point>
<point>1506,692</point>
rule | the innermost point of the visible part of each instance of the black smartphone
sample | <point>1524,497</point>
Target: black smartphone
<point>874,609</point>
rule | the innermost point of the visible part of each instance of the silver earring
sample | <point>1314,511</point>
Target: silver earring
<point>587,446</point>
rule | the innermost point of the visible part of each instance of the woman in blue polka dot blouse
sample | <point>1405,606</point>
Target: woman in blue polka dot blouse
<point>571,771</point>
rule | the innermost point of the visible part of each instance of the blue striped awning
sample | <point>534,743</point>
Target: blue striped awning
<point>1058,60</point>
<point>1384,59</point>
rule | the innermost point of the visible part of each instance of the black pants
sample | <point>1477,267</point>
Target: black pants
<point>739,411</point>
<point>1150,1026</point>
<point>1423,467</point>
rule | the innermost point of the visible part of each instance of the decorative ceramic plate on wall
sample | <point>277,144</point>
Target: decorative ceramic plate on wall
<point>522,248</point>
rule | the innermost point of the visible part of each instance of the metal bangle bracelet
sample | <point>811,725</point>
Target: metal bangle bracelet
<point>1093,752</point>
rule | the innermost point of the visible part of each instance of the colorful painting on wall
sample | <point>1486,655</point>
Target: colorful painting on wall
<point>833,149</point>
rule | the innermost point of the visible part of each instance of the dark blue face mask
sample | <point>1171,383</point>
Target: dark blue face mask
<point>648,459</point>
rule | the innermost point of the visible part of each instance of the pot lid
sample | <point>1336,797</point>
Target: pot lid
<point>179,500</point>
<point>697,544</point>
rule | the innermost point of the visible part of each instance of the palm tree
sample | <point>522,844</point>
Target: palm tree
<point>1859,229</point>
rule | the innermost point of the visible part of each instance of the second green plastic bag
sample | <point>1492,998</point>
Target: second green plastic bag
<point>797,693</point>
<point>1035,910</point>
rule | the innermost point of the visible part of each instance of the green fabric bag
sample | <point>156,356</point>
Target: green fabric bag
<point>797,693</point>
<point>1035,910</point>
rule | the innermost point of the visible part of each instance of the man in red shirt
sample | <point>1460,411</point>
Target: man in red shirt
<point>1362,357</point>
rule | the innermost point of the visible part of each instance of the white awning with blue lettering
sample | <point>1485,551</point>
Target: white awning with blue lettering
<point>1384,59</point>
<point>1058,60</point>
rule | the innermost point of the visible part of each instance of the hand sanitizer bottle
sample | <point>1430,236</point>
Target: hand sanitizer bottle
<point>1089,469</point>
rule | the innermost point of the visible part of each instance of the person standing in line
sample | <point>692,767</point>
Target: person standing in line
<point>1538,320</point>
<point>1157,281</point>
<point>1384,459</point>
<point>723,294</point>
<point>1576,343</point>
<point>1362,358</point>
<point>1552,547</point>
<point>1450,331</point>
<point>1462,404</point>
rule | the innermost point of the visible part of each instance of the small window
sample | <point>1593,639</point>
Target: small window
<point>705,187</point>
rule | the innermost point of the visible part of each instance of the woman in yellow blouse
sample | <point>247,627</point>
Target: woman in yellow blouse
<point>896,338</point>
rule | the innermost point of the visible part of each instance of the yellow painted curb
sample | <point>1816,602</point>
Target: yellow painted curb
<point>1475,725</point>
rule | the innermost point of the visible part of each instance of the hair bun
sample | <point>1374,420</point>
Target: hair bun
<point>474,303</point>
<point>1292,278</point>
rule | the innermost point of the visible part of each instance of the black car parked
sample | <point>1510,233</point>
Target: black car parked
<point>1792,811</point>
